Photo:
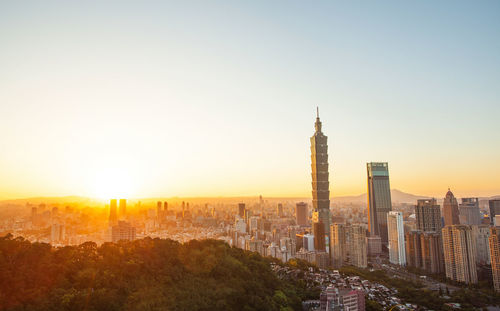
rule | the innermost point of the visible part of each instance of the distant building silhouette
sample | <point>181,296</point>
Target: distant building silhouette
<point>379,199</point>
<point>241,210</point>
<point>113,215</point>
<point>301,214</point>
<point>123,208</point>
<point>123,231</point>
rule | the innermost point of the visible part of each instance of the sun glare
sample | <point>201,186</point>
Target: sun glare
<point>112,184</point>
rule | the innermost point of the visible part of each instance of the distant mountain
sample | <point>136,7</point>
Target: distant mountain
<point>397,196</point>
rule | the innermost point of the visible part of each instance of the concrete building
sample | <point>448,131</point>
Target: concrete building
<point>57,233</point>
<point>123,208</point>
<point>301,214</point>
<point>113,214</point>
<point>338,245</point>
<point>431,246</point>
<point>450,209</point>
<point>352,300</point>
<point>379,199</point>
<point>122,231</point>
<point>469,213</point>
<point>494,206</point>
<point>320,183</point>
<point>241,210</point>
<point>428,215</point>
<point>480,234</point>
<point>459,253</point>
<point>319,236</point>
<point>413,249</point>
<point>309,242</point>
<point>374,245</point>
<point>396,236</point>
<point>357,250</point>
<point>494,245</point>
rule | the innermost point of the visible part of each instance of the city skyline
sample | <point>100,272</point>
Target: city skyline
<point>143,104</point>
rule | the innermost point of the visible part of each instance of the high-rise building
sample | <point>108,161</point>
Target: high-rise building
<point>165,207</point>
<point>320,183</point>
<point>428,215</point>
<point>356,240</point>
<point>480,234</point>
<point>432,252</point>
<point>279,210</point>
<point>396,236</point>
<point>469,213</point>
<point>123,231</point>
<point>241,210</point>
<point>374,245</point>
<point>459,253</point>
<point>338,245</point>
<point>494,241</point>
<point>113,216</point>
<point>319,236</point>
<point>301,214</point>
<point>450,209</point>
<point>57,233</point>
<point>413,249</point>
<point>123,208</point>
<point>494,210</point>
<point>379,199</point>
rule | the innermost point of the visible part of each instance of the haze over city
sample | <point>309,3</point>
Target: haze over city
<point>149,99</point>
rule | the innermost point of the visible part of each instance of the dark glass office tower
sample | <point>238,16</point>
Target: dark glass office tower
<point>379,199</point>
<point>320,184</point>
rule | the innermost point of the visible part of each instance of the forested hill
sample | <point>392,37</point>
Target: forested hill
<point>148,274</point>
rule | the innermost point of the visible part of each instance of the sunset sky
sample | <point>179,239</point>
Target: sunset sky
<point>218,98</point>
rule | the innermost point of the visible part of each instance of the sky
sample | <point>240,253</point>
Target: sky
<point>218,98</point>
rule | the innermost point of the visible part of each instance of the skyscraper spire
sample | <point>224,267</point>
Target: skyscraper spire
<point>317,124</point>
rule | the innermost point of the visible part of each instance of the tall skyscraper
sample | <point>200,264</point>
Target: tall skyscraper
<point>428,215</point>
<point>338,245</point>
<point>113,216</point>
<point>450,209</point>
<point>469,212</point>
<point>320,184</point>
<point>459,253</point>
<point>396,236</point>
<point>123,208</point>
<point>494,241</point>
<point>301,213</point>
<point>379,199</point>
<point>494,210</point>
<point>279,210</point>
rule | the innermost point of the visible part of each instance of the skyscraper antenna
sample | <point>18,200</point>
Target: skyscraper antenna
<point>317,112</point>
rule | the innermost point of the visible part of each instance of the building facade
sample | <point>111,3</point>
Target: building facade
<point>494,243</point>
<point>459,253</point>
<point>357,250</point>
<point>428,215</point>
<point>450,210</point>
<point>396,236</point>
<point>338,245</point>
<point>469,213</point>
<point>379,199</point>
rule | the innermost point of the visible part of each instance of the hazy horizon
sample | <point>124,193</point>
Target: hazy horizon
<point>147,99</point>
